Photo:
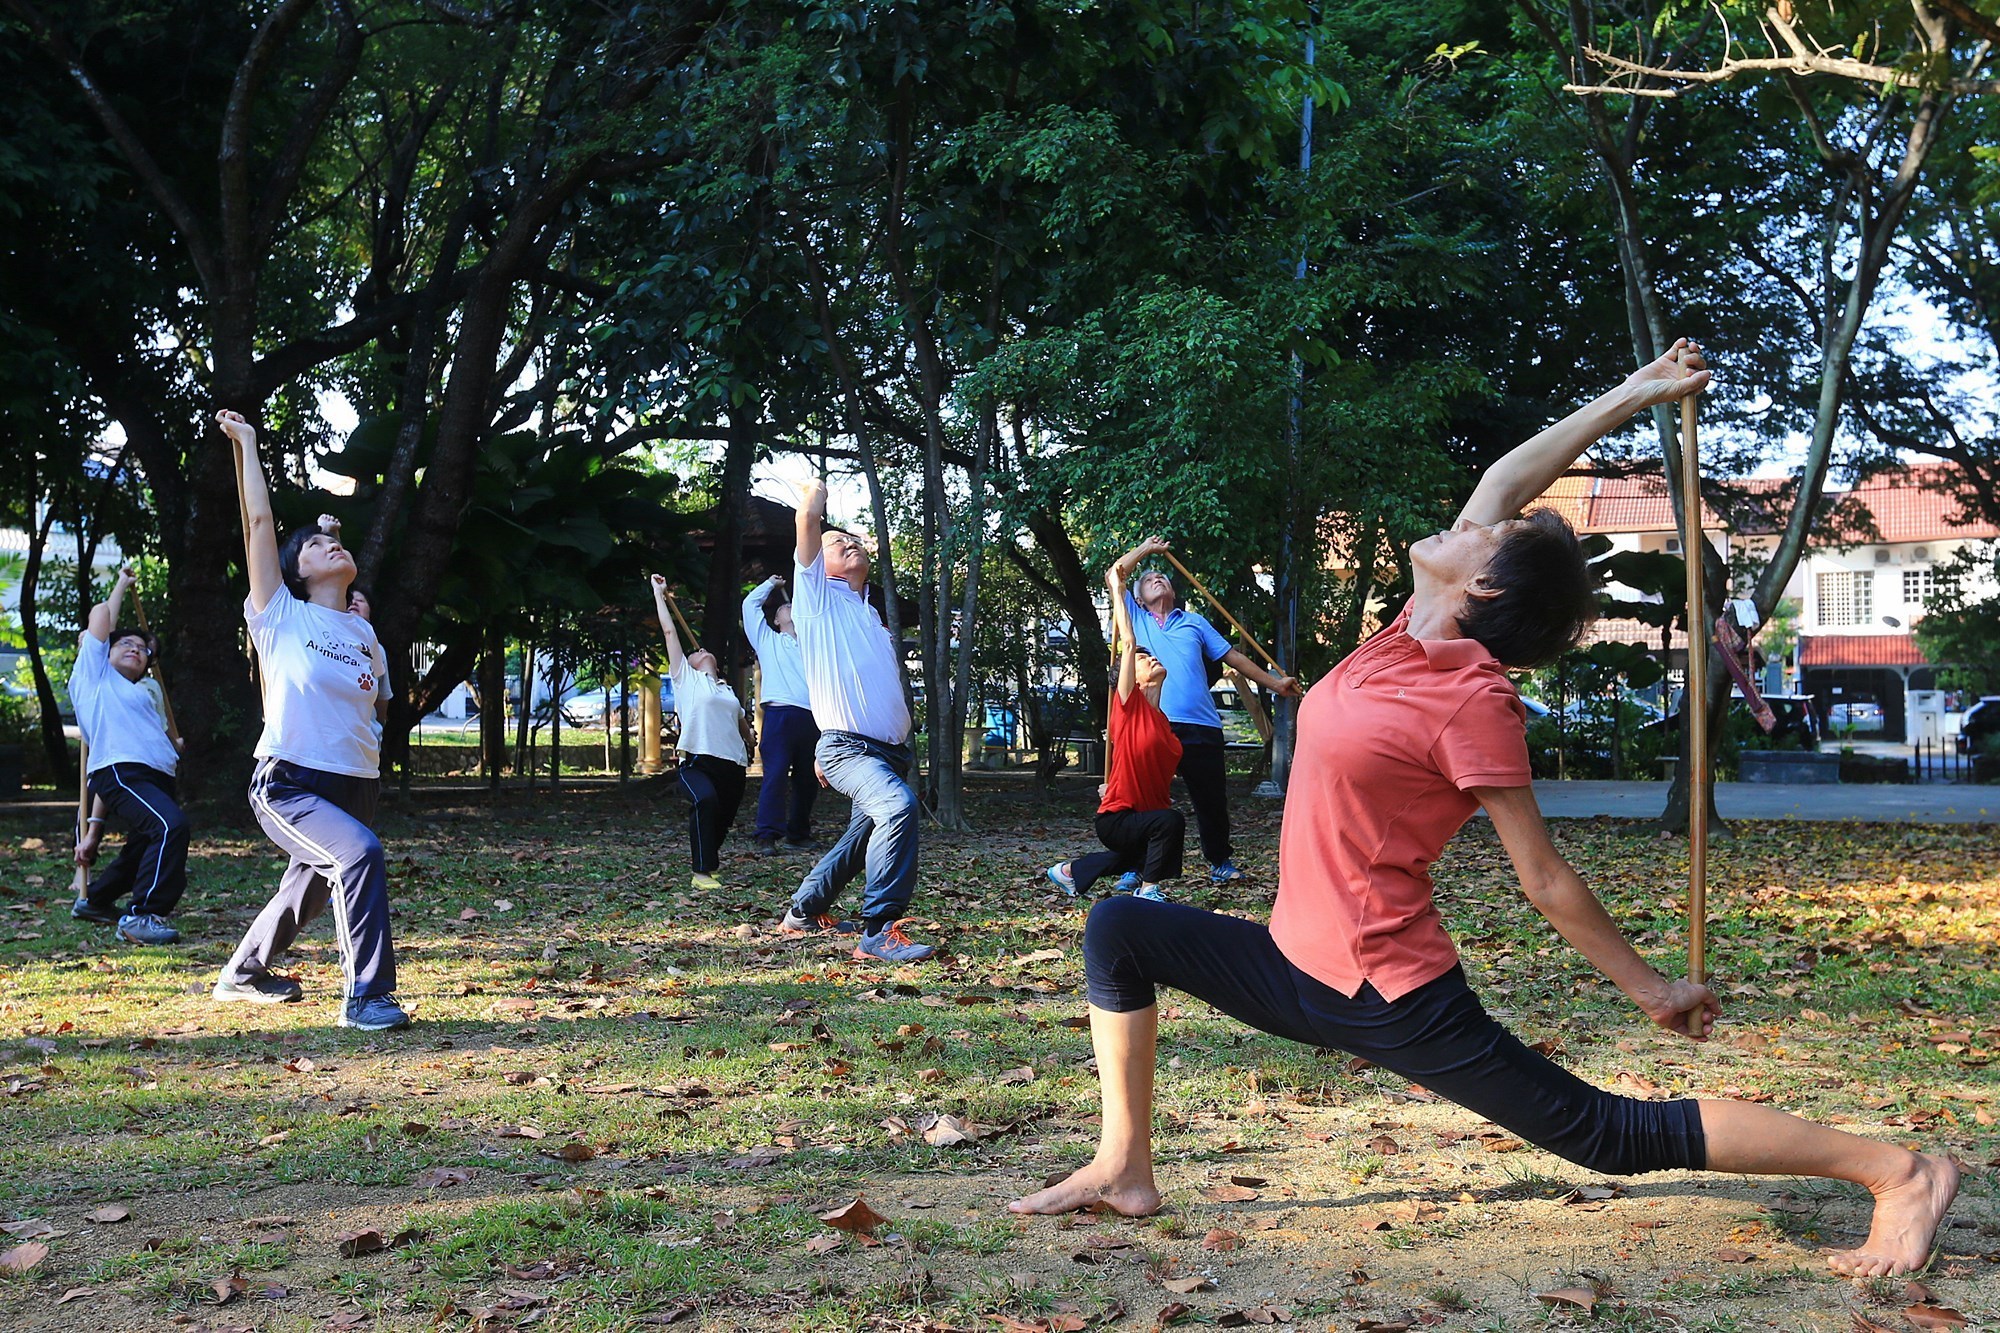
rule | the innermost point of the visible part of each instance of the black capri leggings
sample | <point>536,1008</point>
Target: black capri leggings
<point>1438,1035</point>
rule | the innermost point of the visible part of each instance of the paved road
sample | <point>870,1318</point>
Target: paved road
<point>1939,803</point>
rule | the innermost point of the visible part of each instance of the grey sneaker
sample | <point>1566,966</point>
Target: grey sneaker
<point>264,988</point>
<point>145,928</point>
<point>891,945</point>
<point>823,924</point>
<point>83,909</point>
<point>374,1013</point>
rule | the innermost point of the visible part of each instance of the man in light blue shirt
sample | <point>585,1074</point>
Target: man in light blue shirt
<point>1185,643</point>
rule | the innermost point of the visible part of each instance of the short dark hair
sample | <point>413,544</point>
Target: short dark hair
<point>777,601</point>
<point>1547,596</point>
<point>288,559</point>
<point>144,636</point>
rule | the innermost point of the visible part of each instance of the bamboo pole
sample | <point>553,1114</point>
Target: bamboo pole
<point>1694,706</point>
<point>1216,602</point>
<point>80,879</point>
<point>689,646</point>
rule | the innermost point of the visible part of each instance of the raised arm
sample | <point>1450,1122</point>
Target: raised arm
<point>1530,469</point>
<point>260,532</point>
<point>753,608</point>
<point>1560,895</point>
<point>104,616</point>
<point>1121,630</point>
<point>1128,563</point>
<point>811,521</point>
<point>674,655</point>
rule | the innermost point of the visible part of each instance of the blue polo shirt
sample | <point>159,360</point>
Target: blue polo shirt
<point>1184,645</point>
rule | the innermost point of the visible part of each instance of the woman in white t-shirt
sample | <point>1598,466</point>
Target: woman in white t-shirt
<point>715,744</point>
<point>318,769</point>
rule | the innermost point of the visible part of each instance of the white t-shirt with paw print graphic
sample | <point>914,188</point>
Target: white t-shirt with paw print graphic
<point>323,671</point>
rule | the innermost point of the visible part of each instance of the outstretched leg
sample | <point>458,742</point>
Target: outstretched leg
<point>1120,1176</point>
<point>1912,1190</point>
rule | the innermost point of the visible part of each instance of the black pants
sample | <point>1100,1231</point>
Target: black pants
<point>1437,1035</point>
<point>715,788</point>
<point>789,781</point>
<point>1205,772</point>
<point>152,865</point>
<point>1148,841</point>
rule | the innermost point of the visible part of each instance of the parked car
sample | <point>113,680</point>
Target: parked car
<point>1979,729</point>
<point>1860,714</point>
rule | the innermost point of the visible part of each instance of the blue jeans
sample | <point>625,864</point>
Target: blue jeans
<point>881,836</point>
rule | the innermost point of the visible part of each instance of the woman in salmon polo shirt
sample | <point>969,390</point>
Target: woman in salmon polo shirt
<point>1136,820</point>
<point>1416,730</point>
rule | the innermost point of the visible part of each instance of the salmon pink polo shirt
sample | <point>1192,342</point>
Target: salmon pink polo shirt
<point>1389,748</point>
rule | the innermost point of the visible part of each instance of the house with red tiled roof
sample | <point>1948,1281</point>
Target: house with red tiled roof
<point>1857,594</point>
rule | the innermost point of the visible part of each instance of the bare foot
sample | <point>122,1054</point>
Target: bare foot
<point>1094,1186</point>
<point>1906,1222</point>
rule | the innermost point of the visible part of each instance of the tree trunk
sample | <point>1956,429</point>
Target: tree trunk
<point>54,744</point>
<point>524,734</point>
<point>493,707</point>
<point>721,627</point>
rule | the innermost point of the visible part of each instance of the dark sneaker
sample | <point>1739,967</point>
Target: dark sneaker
<point>1226,873</point>
<point>822,924</point>
<point>83,909</point>
<point>1129,882</point>
<point>767,846</point>
<point>264,988</point>
<point>374,1013</point>
<point>145,928</point>
<point>805,844</point>
<point>891,945</point>
<point>1062,879</point>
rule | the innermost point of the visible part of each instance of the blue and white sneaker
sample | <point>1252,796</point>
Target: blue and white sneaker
<point>1129,882</point>
<point>144,928</point>
<point>1152,893</point>
<point>374,1013</point>
<point>1226,873</point>
<point>891,945</point>
<point>1060,877</point>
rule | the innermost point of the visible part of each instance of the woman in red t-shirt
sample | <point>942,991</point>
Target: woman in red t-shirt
<point>1136,819</point>
<point>1396,749</point>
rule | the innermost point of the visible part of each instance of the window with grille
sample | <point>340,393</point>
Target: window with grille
<point>1847,597</point>
<point>1916,587</point>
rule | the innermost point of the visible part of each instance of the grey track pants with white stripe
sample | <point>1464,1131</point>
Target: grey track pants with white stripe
<point>322,820</point>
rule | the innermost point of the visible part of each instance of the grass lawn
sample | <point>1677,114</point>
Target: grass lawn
<point>625,1103</point>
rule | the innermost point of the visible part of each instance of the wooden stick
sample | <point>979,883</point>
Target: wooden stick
<point>690,646</point>
<point>1216,602</point>
<point>153,665</point>
<point>1694,706</point>
<point>80,880</point>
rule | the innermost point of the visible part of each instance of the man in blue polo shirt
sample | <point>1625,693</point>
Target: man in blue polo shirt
<point>1185,643</point>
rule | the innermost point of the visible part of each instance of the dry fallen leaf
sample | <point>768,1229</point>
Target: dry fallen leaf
<point>1581,1298</point>
<point>1727,1255</point>
<point>1934,1317</point>
<point>1183,1286</point>
<point>23,1257</point>
<point>111,1212</point>
<point>856,1216</point>
<point>354,1243</point>
<point>1256,1314</point>
<point>227,1289</point>
<point>571,1152</point>
<point>823,1242</point>
<point>1025,1074</point>
<point>1229,1194</point>
<point>75,1294</point>
<point>28,1228</point>
<point>442,1177</point>
<point>1221,1240</point>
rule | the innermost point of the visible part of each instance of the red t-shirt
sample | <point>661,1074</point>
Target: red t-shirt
<point>1144,754</point>
<point>1389,747</point>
